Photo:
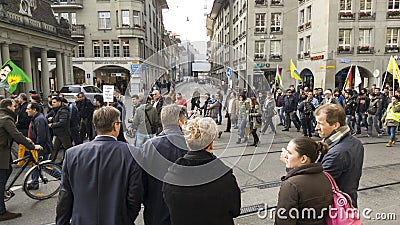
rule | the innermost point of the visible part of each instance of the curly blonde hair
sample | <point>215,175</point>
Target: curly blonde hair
<point>200,133</point>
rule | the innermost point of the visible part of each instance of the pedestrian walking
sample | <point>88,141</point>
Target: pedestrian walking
<point>243,117</point>
<point>101,182</point>
<point>306,110</point>
<point>85,108</point>
<point>374,110</point>
<point>268,111</point>
<point>60,124</point>
<point>169,145</point>
<point>231,107</point>
<point>255,120</point>
<point>391,120</point>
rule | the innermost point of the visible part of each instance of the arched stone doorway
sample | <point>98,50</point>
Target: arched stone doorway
<point>112,75</point>
<point>307,78</point>
<point>340,77</point>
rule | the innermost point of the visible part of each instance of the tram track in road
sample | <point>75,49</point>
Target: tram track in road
<point>279,151</point>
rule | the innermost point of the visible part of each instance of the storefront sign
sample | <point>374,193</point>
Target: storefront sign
<point>317,57</point>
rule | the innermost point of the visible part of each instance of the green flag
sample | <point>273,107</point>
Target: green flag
<point>11,75</point>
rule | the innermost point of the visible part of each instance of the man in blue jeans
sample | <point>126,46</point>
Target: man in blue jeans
<point>39,133</point>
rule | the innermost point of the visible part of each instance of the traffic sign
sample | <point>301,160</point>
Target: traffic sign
<point>228,72</point>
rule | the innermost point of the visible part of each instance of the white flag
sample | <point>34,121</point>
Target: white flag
<point>358,79</point>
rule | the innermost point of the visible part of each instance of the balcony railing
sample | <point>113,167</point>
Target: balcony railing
<point>308,25</point>
<point>276,2</point>
<point>366,16</point>
<point>300,28</point>
<point>392,49</point>
<point>346,16</point>
<point>301,1</point>
<point>128,32</point>
<point>393,15</point>
<point>300,56</point>
<point>72,4</point>
<point>365,50</point>
<point>78,31</point>
<point>275,57</point>
<point>345,50</point>
<point>276,30</point>
<point>261,2</point>
<point>259,57</point>
<point>30,23</point>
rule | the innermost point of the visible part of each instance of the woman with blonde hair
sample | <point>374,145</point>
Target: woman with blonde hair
<point>305,188</point>
<point>199,188</point>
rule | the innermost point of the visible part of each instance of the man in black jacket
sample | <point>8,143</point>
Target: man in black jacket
<point>60,125</point>
<point>167,147</point>
<point>345,157</point>
<point>101,181</point>
<point>290,108</point>
<point>86,109</point>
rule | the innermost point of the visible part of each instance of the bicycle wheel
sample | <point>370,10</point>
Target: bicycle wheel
<point>47,182</point>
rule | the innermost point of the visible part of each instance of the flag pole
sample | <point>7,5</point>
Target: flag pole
<point>387,68</point>
<point>347,77</point>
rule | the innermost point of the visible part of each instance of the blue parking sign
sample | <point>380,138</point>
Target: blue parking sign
<point>228,72</point>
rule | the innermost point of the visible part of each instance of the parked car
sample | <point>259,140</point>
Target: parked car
<point>70,91</point>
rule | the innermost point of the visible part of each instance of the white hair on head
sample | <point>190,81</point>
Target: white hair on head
<point>200,133</point>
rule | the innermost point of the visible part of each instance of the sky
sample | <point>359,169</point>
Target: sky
<point>187,18</point>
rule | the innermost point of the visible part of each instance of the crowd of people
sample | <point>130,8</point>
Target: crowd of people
<point>173,147</point>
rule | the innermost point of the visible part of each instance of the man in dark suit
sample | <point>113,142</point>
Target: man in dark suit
<point>101,181</point>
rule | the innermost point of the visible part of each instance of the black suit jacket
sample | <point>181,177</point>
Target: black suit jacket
<point>101,184</point>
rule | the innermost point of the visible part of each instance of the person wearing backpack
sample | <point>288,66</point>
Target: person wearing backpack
<point>145,122</point>
<point>305,187</point>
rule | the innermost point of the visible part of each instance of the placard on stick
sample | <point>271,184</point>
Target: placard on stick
<point>108,93</point>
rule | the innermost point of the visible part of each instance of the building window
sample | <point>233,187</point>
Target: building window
<point>394,4</point>
<point>308,46</point>
<point>125,17</point>
<point>344,39</point>
<point>301,47</point>
<point>125,48</point>
<point>116,48</point>
<point>106,49</point>
<point>366,5</point>
<point>260,22</point>
<point>345,5</point>
<point>64,15</point>
<point>301,17</point>
<point>73,18</point>
<point>365,37</point>
<point>96,48</point>
<point>392,37</point>
<point>81,49</point>
<point>104,20</point>
<point>275,49</point>
<point>309,13</point>
<point>136,18</point>
<point>259,52</point>
<point>276,22</point>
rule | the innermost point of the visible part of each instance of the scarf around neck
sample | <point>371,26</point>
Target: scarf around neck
<point>337,135</point>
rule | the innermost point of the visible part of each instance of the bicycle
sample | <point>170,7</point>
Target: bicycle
<point>49,180</point>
